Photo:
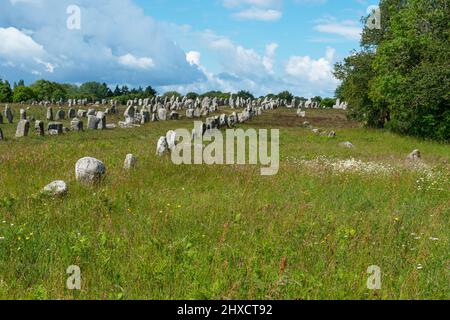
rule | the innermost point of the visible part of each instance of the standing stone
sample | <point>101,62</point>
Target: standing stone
<point>162,114</point>
<point>60,115</point>
<point>39,128</point>
<point>23,114</point>
<point>1,119</point>
<point>101,120</point>
<point>49,114</point>
<point>72,113</point>
<point>162,146</point>
<point>130,162</point>
<point>81,113</point>
<point>171,139</point>
<point>76,124</point>
<point>92,122</point>
<point>22,128</point>
<point>1,135</point>
<point>9,114</point>
<point>89,170</point>
<point>190,113</point>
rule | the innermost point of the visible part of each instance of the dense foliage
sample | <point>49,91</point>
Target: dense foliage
<point>400,79</point>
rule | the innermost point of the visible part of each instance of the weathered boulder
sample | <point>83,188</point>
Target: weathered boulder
<point>89,170</point>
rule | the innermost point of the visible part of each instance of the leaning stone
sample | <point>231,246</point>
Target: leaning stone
<point>56,188</point>
<point>22,128</point>
<point>414,156</point>
<point>89,170</point>
<point>130,162</point>
<point>162,146</point>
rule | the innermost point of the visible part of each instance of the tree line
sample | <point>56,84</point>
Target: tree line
<point>44,90</point>
<point>400,77</point>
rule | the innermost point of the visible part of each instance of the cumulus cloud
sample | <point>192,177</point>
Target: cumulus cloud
<point>347,29</point>
<point>260,10</point>
<point>117,43</point>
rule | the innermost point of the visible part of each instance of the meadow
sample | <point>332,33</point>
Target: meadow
<point>163,231</point>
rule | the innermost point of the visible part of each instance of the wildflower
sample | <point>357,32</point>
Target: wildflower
<point>419,267</point>
<point>434,239</point>
<point>2,238</point>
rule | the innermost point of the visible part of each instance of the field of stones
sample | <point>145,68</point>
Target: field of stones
<point>345,198</point>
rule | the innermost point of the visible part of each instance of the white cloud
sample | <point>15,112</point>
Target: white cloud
<point>347,29</point>
<point>107,48</point>
<point>136,63</point>
<point>311,69</point>
<point>258,14</point>
<point>193,57</point>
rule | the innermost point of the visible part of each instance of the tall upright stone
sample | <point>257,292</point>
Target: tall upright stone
<point>92,123</point>
<point>72,113</point>
<point>9,114</point>
<point>101,119</point>
<point>23,114</point>
<point>1,135</point>
<point>76,124</point>
<point>50,114</point>
<point>39,128</point>
<point>1,118</point>
<point>23,128</point>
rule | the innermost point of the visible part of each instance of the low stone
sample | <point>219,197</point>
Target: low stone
<point>174,115</point>
<point>82,113</point>
<point>347,144</point>
<point>56,188</point>
<point>89,170</point>
<point>110,126</point>
<point>414,156</point>
<point>55,126</point>
<point>332,134</point>
<point>130,162</point>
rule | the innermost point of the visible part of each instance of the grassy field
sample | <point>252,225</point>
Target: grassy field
<point>164,231</point>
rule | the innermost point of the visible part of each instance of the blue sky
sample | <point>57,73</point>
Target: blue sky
<point>264,46</point>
